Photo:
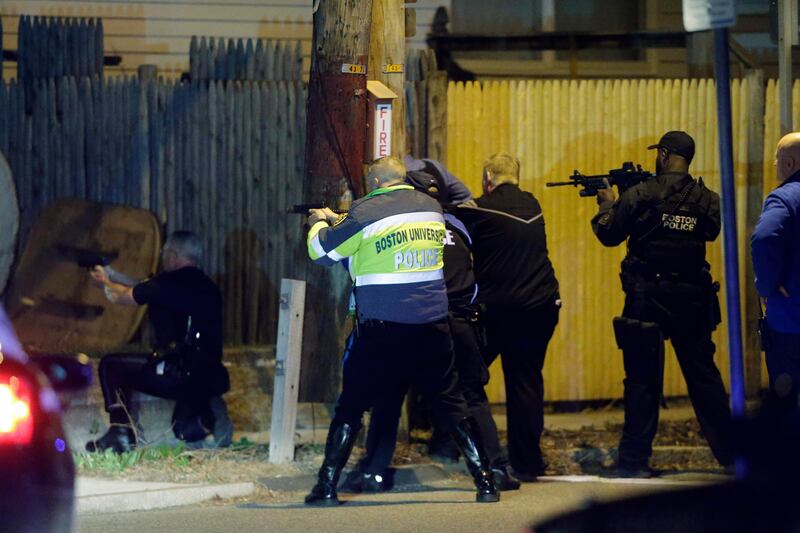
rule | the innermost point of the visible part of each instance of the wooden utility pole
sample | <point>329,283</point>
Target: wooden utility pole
<point>335,143</point>
<point>787,36</point>
<point>387,55</point>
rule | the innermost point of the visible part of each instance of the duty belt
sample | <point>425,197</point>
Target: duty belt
<point>640,269</point>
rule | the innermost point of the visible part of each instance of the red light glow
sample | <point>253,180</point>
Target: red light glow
<point>16,421</point>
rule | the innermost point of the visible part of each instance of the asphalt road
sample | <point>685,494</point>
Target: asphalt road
<point>444,506</point>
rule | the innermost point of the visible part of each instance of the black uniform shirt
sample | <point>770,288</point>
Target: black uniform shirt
<point>510,248</point>
<point>662,228</point>
<point>172,297</point>
<point>458,274</point>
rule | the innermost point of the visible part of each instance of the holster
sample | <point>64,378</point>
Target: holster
<point>763,334</point>
<point>642,345</point>
<point>176,358</point>
<point>716,311</point>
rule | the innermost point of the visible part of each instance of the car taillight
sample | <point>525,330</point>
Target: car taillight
<point>16,418</point>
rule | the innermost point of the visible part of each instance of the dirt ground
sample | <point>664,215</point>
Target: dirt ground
<point>679,444</point>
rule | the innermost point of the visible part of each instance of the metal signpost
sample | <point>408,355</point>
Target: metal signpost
<point>699,15</point>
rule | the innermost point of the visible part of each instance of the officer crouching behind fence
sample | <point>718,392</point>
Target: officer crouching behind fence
<point>394,238</point>
<point>669,293</point>
<point>185,309</point>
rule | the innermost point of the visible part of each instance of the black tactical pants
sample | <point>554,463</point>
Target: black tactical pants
<point>386,357</point>
<point>687,314</point>
<point>197,409</point>
<point>521,338</point>
<point>472,377</point>
<point>120,374</point>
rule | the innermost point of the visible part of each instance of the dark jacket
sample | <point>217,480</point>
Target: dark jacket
<point>666,220</point>
<point>459,276</point>
<point>172,297</point>
<point>510,249</point>
<point>776,255</point>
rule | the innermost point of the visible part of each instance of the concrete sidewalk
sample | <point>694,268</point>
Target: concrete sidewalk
<point>97,496</point>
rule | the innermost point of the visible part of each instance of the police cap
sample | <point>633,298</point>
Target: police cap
<point>677,142</point>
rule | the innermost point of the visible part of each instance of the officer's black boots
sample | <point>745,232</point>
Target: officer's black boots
<point>341,437</point>
<point>503,480</point>
<point>467,438</point>
<point>118,438</point>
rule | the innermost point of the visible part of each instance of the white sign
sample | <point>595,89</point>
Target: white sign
<point>700,15</point>
<point>382,142</point>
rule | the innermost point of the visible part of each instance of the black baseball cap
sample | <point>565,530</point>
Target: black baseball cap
<point>677,142</point>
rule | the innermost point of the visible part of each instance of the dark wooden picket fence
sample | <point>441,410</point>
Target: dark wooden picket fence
<point>426,105</point>
<point>50,47</point>
<point>254,60</point>
<point>221,154</point>
<point>224,159</point>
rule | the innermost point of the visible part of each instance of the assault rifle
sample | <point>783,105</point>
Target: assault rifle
<point>302,209</point>
<point>623,178</point>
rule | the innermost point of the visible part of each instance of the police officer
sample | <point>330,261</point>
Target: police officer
<point>519,287</point>
<point>394,239</point>
<point>185,308</point>
<point>373,473</point>
<point>669,293</point>
<point>776,260</point>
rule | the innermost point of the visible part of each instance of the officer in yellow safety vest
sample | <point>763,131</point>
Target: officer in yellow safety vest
<point>394,239</point>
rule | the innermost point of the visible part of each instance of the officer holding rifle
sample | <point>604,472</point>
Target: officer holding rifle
<point>669,293</point>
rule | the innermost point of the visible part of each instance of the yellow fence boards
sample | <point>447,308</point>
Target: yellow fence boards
<point>556,126</point>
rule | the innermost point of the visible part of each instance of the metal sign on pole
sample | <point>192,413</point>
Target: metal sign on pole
<point>701,15</point>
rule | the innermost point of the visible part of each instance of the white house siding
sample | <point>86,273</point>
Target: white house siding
<point>159,31</point>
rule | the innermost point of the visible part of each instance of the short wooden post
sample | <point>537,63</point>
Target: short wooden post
<point>287,370</point>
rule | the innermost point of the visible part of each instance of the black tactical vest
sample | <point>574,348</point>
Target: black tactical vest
<point>670,236</point>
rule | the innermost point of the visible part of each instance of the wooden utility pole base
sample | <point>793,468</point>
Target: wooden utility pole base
<point>287,371</point>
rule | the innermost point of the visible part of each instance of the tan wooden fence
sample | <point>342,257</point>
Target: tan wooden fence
<point>555,127</point>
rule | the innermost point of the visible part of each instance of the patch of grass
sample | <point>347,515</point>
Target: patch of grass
<point>242,444</point>
<point>108,462</point>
